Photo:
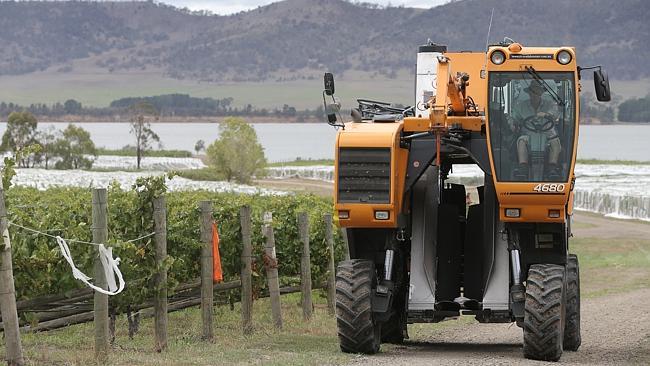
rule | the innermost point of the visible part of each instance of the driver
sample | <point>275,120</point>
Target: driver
<point>538,109</point>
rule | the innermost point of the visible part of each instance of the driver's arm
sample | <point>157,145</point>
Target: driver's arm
<point>515,120</point>
<point>549,110</point>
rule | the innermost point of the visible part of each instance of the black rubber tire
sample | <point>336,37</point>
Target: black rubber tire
<point>544,312</point>
<point>572,337</point>
<point>358,332</point>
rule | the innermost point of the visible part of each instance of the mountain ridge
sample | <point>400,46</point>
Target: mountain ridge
<point>298,39</point>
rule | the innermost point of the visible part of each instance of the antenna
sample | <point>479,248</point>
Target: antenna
<point>487,41</point>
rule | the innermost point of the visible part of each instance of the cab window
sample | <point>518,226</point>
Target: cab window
<point>532,125</point>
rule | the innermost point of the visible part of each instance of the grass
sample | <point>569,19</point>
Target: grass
<point>612,266</point>
<point>98,88</point>
<point>203,174</point>
<point>300,342</point>
<point>150,153</point>
<point>302,162</point>
<point>611,162</point>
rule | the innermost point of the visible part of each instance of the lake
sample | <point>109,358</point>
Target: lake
<point>285,142</point>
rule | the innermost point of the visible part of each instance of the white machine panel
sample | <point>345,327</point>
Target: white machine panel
<point>425,80</point>
<point>422,287</point>
<point>497,295</point>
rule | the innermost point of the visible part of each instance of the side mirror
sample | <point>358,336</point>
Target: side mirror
<point>601,84</point>
<point>329,83</point>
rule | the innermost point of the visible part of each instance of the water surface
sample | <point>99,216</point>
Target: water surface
<point>288,141</point>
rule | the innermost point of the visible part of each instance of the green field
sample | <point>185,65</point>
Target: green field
<point>100,88</point>
<point>150,153</point>
<point>303,162</point>
<point>611,162</point>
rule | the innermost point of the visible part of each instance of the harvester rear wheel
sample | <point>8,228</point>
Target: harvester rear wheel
<point>572,337</point>
<point>544,312</point>
<point>357,329</point>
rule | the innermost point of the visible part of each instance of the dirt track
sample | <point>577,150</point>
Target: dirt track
<point>615,328</point>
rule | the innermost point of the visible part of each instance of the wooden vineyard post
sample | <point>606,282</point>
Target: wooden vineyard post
<point>271,263</point>
<point>160,298</point>
<point>346,246</point>
<point>331,275</point>
<point>14,349</point>
<point>207,290</point>
<point>246,271</point>
<point>100,303</point>
<point>305,269</point>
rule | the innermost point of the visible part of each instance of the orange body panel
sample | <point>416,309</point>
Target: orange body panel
<point>534,205</point>
<point>533,202</point>
<point>471,63</point>
<point>421,124</point>
<point>374,135</point>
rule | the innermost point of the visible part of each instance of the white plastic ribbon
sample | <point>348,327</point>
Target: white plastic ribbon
<point>110,265</point>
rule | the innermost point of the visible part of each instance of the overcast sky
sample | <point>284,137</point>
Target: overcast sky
<point>234,6</point>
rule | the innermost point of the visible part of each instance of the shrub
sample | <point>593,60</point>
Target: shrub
<point>236,154</point>
<point>39,268</point>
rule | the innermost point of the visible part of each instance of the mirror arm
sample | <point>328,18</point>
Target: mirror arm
<point>599,67</point>
<point>331,122</point>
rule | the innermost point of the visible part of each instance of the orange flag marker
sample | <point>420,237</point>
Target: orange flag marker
<point>217,273</point>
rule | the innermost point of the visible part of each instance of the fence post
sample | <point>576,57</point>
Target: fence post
<point>207,290</point>
<point>271,263</point>
<point>305,269</point>
<point>160,299</point>
<point>100,303</point>
<point>331,276</point>
<point>14,349</point>
<point>246,270</point>
<point>346,245</point>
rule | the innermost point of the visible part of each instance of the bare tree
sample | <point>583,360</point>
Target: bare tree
<point>141,116</point>
<point>199,146</point>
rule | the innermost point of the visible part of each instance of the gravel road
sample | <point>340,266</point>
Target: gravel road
<point>615,328</point>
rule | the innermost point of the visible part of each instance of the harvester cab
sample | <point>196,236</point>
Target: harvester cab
<point>421,250</point>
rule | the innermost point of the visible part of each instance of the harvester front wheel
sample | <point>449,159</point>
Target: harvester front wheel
<point>358,331</point>
<point>572,337</point>
<point>544,312</point>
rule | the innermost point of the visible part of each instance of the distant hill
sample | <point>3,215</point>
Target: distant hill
<point>296,39</point>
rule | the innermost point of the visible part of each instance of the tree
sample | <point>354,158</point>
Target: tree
<point>199,146</point>
<point>71,106</point>
<point>237,154</point>
<point>48,139</point>
<point>20,133</point>
<point>591,110</point>
<point>635,110</point>
<point>141,115</point>
<point>73,148</point>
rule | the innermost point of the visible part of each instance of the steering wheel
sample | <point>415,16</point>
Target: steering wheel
<point>533,123</point>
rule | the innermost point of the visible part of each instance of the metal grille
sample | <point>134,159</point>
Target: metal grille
<point>364,175</point>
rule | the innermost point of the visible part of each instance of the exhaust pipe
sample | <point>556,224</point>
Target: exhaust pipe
<point>388,264</point>
<point>516,267</point>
